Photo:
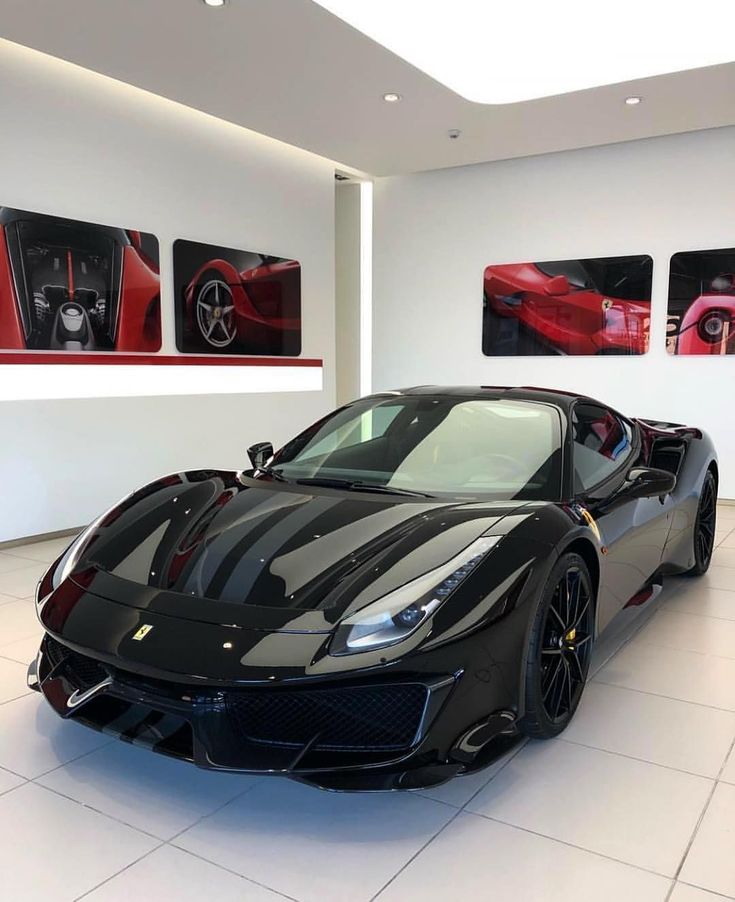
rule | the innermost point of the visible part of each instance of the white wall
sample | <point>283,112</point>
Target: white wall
<point>435,232</point>
<point>347,290</point>
<point>80,145</point>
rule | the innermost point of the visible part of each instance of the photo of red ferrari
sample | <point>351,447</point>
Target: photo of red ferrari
<point>575,307</point>
<point>77,286</point>
<point>236,302</point>
<point>701,312</point>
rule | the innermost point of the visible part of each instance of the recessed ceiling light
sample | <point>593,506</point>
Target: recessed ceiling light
<point>392,97</point>
<point>214,2</point>
<point>511,52</point>
<point>633,100</point>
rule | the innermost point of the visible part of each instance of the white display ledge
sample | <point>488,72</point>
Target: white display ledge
<point>166,376</point>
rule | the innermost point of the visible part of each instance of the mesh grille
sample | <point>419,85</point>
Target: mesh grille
<point>361,718</point>
<point>85,671</point>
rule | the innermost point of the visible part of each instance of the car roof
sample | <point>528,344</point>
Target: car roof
<point>558,397</point>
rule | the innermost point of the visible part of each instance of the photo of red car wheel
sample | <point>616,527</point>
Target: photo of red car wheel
<point>237,302</point>
<point>214,311</point>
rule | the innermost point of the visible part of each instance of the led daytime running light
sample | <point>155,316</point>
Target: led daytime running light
<point>397,615</point>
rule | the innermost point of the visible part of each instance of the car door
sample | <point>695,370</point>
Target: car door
<point>633,533</point>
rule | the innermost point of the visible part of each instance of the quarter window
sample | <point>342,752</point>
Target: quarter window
<point>602,442</point>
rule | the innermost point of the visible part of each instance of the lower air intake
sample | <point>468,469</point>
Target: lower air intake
<point>363,718</point>
<point>86,672</point>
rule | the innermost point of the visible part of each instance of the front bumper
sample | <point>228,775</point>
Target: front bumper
<point>384,733</point>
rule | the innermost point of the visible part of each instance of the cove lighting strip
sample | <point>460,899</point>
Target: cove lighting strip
<point>366,288</point>
<point>505,52</point>
<point>35,382</point>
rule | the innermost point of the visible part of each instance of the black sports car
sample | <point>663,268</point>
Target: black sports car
<point>392,598</point>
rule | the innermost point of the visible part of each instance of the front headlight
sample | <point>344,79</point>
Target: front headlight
<point>400,613</point>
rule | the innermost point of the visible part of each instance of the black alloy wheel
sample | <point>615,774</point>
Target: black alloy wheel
<point>560,649</point>
<point>704,526</point>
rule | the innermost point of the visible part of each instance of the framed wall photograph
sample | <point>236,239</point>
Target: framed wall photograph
<point>74,286</point>
<point>592,306</point>
<point>701,309</point>
<point>236,302</point>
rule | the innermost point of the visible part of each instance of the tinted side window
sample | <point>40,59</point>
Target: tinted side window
<point>602,442</point>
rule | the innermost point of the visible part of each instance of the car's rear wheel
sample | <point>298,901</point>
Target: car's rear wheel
<point>704,526</point>
<point>559,650</point>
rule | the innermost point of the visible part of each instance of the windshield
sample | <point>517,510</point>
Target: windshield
<point>505,449</point>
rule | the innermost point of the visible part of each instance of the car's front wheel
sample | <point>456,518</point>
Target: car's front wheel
<point>559,649</point>
<point>704,526</point>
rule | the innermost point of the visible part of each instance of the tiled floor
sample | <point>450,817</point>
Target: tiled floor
<point>635,802</point>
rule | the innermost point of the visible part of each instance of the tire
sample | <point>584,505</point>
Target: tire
<point>703,537</point>
<point>559,649</point>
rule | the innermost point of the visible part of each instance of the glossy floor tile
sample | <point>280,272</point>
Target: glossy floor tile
<point>34,740</point>
<point>697,599</point>
<point>173,874</point>
<point>560,790</point>
<point>22,651</point>
<point>663,731</point>
<point>18,621</point>
<point>12,680</point>
<point>673,672</point>
<point>148,791</point>
<point>684,893</point>
<point>46,552</point>
<point>691,632</point>
<point>727,540</point>
<point>342,847</point>
<point>9,781</point>
<point>728,772</point>
<point>724,557</point>
<point>716,577</point>
<point>476,858</point>
<point>21,582</point>
<point>53,848</point>
<point>710,863</point>
<point>9,563</point>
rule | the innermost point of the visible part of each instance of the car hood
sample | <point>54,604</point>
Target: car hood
<point>223,547</point>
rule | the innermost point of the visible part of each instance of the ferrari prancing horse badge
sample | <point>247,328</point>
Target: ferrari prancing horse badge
<point>143,632</point>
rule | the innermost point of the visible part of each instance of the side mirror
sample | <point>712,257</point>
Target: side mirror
<point>260,453</point>
<point>648,482</point>
<point>557,286</point>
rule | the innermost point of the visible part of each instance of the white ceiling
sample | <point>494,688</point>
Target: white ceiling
<point>291,70</point>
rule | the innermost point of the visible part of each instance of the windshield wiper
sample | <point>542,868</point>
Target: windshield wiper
<point>358,486</point>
